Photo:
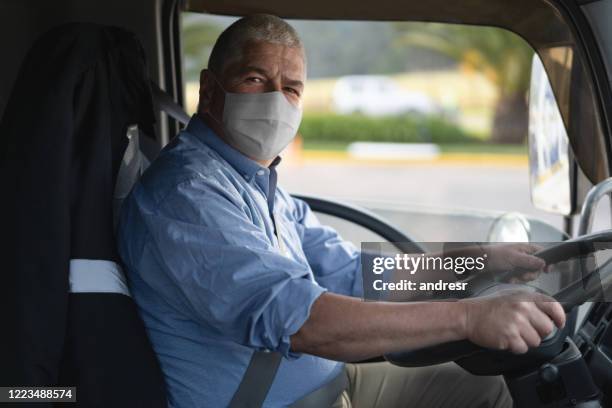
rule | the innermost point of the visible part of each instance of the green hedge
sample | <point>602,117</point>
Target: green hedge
<point>325,127</point>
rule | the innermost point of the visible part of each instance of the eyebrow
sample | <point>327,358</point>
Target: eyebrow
<point>295,82</point>
<point>253,68</point>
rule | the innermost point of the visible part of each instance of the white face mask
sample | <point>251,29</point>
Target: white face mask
<point>260,125</point>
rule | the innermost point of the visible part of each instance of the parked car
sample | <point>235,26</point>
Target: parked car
<point>377,95</point>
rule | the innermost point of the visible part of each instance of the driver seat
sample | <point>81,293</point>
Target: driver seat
<point>81,105</point>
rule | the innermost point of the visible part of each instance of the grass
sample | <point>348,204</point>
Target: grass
<point>485,148</point>
<point>329,146</point>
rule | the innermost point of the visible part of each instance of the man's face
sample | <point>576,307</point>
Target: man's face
<point>264,67</point>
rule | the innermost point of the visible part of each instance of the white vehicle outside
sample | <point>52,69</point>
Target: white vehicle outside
<point>376,95</point>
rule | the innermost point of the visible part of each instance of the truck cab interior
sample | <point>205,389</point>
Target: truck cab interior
<point>65,181</point>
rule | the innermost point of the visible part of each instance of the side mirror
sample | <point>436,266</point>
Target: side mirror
<point>510,227</point>
<point>549,164</point>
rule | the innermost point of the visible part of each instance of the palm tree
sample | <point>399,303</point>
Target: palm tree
<point>198,37</point>
<point>500,55</point>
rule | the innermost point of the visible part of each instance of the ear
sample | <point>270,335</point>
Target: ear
<point>207,87</point>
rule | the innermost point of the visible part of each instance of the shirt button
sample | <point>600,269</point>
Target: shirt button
<point>260,172</point>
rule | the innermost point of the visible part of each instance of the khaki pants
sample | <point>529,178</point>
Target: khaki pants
<point>383,385</point>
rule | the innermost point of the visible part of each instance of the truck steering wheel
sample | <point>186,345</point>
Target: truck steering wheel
<point>482,361</point>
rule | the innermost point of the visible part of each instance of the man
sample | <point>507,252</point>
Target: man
<point>223,263</point>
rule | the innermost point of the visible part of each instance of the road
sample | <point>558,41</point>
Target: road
<point>447,186</point>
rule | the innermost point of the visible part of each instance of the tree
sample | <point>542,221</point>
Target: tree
<point>500,55</point>
<point>198,36</point>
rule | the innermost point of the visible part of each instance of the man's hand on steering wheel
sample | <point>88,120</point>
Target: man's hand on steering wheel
<point>504,258</point>
<point>511,320</point>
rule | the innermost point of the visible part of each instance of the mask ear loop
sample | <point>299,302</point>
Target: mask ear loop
<point>217,81</point>
<point>214,76</point>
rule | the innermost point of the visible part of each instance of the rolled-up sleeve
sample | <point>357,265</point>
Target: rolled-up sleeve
<point>229,275</point>
<point>335,262</point>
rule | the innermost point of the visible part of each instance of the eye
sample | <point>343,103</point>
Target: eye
<point>293,91</point>
<point>254,80</point>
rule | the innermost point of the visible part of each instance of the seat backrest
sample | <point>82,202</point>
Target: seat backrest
<point>133,164</point>
<point>63,135</point>
<point>135,161</point>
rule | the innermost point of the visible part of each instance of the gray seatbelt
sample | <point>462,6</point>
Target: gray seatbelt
<point>257,380</point>
<point>168,105</point>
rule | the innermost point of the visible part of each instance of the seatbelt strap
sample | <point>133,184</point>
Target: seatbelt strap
<point>166,103</point>
<point>257,380</point>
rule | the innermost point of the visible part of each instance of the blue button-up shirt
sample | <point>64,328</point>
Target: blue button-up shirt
<point>212,281</point>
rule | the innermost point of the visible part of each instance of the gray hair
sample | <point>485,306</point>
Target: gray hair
<point>255,27</point>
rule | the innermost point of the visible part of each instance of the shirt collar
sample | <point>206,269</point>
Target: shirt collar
<point>246,167</point>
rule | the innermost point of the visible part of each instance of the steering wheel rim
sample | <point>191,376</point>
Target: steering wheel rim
<point>365,219</point>
<point>568,297</point>
<point>464,349</point>
<point>562,251</point>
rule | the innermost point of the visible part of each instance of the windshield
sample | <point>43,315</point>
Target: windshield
<point>423,116</point>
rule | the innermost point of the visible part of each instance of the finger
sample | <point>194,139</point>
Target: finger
<point>518,345</point>
<point>530,336</point>
<point>553,309</point>
<point>529,276</point>
<point>541,323</point>
<point>526,248</point>
<point>533,248</point>
<point>525,261</point>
